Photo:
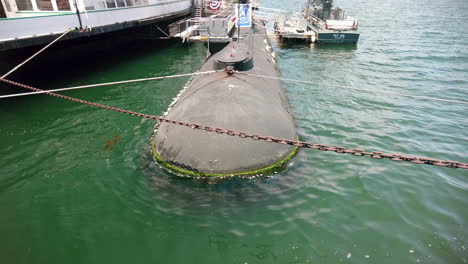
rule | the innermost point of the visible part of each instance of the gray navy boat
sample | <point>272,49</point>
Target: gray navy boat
<point>331,24</point>
<point>230,100</point>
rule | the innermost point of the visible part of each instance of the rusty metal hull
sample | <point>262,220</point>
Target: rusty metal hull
<point>237,102</point>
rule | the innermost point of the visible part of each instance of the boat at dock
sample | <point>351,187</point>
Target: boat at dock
<point>294,27</point>
<point>232,100</point>
<point>331,24</point>
<point>25,23</point>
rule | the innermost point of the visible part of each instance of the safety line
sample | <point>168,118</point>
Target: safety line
<point>357,89</point>
<point>108,83</point>
<point>37,53</point>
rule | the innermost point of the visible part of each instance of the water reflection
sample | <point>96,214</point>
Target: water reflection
<point>179,195</point>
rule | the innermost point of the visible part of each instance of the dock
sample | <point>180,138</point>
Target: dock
<point>208,24</point>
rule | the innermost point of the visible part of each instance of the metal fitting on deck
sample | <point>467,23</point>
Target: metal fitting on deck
<point>229,70</point>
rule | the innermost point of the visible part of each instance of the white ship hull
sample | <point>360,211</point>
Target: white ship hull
<point>25,28</point>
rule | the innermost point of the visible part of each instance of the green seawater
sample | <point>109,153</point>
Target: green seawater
<point>68,194</point>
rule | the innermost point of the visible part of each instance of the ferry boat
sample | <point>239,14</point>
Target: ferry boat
<point>26,23</point>
<point>331,24</point>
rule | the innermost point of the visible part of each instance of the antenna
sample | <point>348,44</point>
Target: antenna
<point>308,7</point>
<point>238,21</point>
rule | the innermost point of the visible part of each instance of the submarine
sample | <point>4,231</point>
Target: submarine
<point>229,99</point>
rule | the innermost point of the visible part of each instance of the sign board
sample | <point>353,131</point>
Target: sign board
<point>244,15</point>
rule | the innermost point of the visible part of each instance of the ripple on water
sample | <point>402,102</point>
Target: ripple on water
<point>324,207</point>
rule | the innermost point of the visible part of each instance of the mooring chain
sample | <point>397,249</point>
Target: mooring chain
<point>296,143</point>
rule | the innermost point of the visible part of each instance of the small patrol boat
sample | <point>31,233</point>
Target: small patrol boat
<point>331,24</point>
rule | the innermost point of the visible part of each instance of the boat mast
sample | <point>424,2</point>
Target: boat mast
<point>308,8</point>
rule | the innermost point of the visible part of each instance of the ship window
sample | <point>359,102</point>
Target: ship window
<point>89,5</point>
<point>110,4</point>
<point>141,2</point>
<point>99,4</point>
<point>95,4</point>
<point>129,2</point>
<point>121,3</point>
<point>24,5</point>
<point>45,5</point>
<point>63,5</point>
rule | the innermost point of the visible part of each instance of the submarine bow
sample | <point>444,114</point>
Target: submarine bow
<point>229,100</point>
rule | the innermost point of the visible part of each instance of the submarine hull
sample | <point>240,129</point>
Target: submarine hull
<point>231,101</point>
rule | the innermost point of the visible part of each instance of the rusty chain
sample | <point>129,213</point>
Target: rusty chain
<point>296,143</point>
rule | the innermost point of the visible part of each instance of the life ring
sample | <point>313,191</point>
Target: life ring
<point>215,5</point>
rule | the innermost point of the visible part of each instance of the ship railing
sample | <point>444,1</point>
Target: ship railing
<point>177,28</point>
<point>197,26</point>
<point>316,22</point>
<point>217,27</point>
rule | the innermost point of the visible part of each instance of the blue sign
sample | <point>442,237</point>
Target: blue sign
<point>244,15</point>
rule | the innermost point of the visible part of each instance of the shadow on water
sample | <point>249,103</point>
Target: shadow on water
<point>75,59</point>
<point>58,183</point>
<point>312,52</point>
<point>188,196</point>
<point>335,47</point>
<point>303,45</point>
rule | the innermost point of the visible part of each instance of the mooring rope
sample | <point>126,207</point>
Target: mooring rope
<point>108,83</point>
<point>296,143</point>
<point>264,18</point>
<point>276,10</point>
<point>244,73</point>
<point>37,53</point>
<point>356,89</point>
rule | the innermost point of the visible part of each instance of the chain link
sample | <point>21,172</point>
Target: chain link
<point>296,143</point>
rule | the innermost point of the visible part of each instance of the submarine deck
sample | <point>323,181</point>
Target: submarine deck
<point>237,102</point>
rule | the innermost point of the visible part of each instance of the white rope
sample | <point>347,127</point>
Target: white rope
<point>357,89</point>
<point>37,53</point>
<point>106,84</point>
<point>265,13</point>
<point>265,18</point>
